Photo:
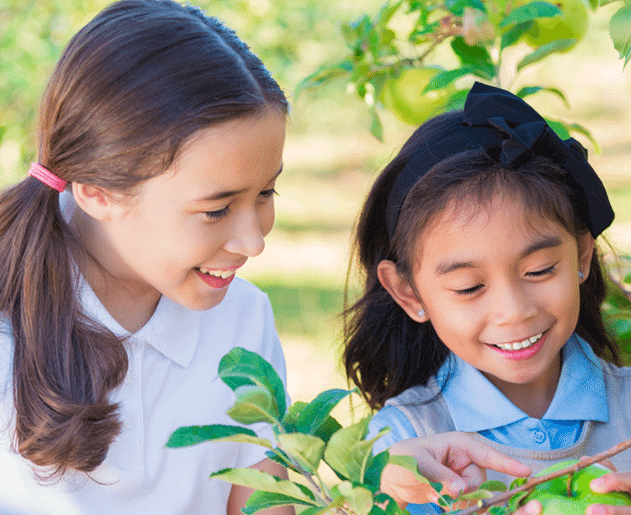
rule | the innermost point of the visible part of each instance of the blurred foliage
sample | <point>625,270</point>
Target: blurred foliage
<point>394,58</point>
<point>291,36</point>
<point>617,306</point>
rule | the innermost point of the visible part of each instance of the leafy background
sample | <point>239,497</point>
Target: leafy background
<point>331,156</point>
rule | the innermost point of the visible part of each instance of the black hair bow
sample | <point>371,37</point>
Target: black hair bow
<point>510,131</point>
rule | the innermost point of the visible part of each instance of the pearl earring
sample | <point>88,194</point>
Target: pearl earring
<point>421,313</point>
<point>581,275</point>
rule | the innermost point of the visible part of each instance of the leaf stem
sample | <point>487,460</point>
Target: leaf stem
<point>531,483</point>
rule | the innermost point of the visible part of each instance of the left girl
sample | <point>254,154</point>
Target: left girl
<point>161,139</point>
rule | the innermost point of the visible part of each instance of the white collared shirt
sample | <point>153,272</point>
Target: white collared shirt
<point>172,382</point>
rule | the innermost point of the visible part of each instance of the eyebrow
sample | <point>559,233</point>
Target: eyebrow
<point>546,242</point>
<point>231,193</point>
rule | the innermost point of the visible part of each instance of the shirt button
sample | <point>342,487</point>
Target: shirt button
<point>540,436</point>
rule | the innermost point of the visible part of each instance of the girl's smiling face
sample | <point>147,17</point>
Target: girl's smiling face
<point>188,230</point>
<point>500,286</point>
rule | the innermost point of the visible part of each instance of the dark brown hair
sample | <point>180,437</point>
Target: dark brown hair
<point>132,86</point>
<point>386,351</point>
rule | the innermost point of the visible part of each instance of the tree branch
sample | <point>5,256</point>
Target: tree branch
<point>531,483</point>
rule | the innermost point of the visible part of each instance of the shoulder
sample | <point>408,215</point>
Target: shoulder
<point>425,409</point>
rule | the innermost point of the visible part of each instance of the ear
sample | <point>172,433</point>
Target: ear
<point>586,245</point>
<point>400,290</point>
<point>95,201</point>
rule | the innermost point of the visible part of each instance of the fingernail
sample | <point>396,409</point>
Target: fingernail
<point>458,486</point>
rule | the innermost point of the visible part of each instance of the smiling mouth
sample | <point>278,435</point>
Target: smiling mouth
<point>524,344</point>
<point>222,274</point>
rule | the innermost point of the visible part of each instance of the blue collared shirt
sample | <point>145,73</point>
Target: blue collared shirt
<point>580,396</point>
<point>476,405</point>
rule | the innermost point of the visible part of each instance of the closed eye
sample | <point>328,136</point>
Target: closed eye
<point>268,193</point>
<point>541,273</point>
<point>217,215</point>
<point>469,291</point>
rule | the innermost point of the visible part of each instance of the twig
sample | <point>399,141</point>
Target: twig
<point>531,483</point>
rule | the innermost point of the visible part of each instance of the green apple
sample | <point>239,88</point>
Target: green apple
<point>553,494</point>
<point>570,24</point>
<point>403,95</point>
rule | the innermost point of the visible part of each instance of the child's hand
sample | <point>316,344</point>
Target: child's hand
<point>457,460</point>
<point>613,482</point>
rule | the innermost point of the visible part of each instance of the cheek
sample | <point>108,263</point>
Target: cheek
<point>266,218</point>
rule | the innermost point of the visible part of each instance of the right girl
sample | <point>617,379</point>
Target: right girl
<point>481,310</point>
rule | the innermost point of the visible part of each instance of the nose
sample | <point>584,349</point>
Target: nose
<point>512,304</point>
<point>247,236</point>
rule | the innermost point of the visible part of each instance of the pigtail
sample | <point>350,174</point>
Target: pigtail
<point>64,367</point>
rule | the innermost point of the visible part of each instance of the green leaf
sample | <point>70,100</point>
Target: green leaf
<point>531,90</point>
<point>514,34</point>
<point>560,128</point>
<point>316,413</point>
<point>499,510</point>
<point>358,498</point>
<point>192,435</point>
<point>315,511</point>
<point>493,486</point>
<point>558,45</point>
<point>478,495</point>
<point>530,12</point>
<point>474,57</point>
<point>443,79</point>
<point>411,465</point>
<point>253,404</point>
<point>457,100</point>
<point>243,367</point>
<point>324,75</point>
<point>348,453</point>
<point>372,477</point>
<point>376,127</point>
<point>263,500</point>
<point>306,449</point>
<point>620,31</point>
<point>281,458</point>
<point>258,480</point>
<point>582,130</point>
<point>457,7</point>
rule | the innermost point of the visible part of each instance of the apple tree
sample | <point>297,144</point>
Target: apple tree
<point>403,69</point>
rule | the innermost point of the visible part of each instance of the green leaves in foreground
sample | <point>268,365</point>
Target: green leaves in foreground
<point>305,436</point>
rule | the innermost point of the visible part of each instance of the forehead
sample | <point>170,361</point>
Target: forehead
<point>503,226</point>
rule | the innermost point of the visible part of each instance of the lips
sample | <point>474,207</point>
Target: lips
<point>519,352</point>
<point>217,279</point>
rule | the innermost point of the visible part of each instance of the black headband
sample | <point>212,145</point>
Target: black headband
<point>509,130</point>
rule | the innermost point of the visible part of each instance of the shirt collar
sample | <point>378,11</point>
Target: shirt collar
<point>172,330</point>
<point>580,394</point>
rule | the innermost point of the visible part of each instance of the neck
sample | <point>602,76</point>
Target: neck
<point>129,302</point>
<point>533,398</point>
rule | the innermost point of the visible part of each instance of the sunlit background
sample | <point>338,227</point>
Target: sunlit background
<point>331,157</point>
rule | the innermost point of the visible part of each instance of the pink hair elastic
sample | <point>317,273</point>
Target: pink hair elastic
<point>47,177</point>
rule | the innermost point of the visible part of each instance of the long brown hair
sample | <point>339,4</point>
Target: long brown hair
<point>387,352</point>
<point>129,89</point>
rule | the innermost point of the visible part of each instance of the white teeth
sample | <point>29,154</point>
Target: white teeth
<point>224,274</point>
<point>520,345</point>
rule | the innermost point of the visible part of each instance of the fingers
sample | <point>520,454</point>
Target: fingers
<point>530,508</point>
<point>486,457</point>
<point>605,509</point>
<point>614,481</point>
